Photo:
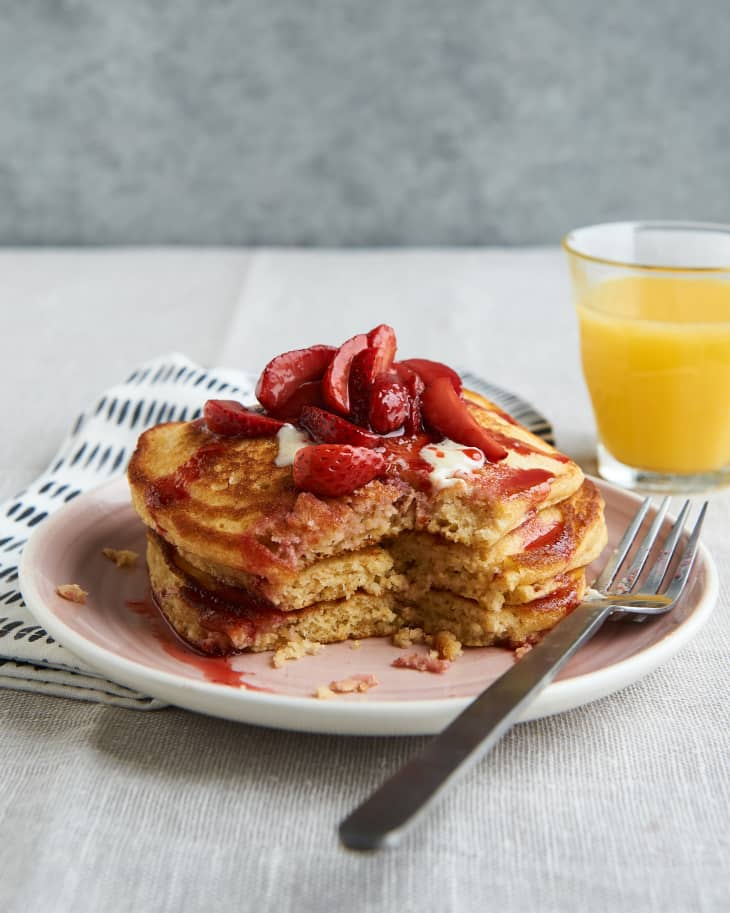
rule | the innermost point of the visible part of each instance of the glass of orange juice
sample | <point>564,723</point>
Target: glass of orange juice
<point>653,302</point>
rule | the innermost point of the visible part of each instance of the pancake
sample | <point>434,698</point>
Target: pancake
<point>513,624</point>
<point>219,620</point>
<point>225,500</point>
<point>240,559</point>
<point>557,539</point>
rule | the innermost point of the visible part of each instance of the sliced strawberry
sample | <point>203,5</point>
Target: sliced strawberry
<point>331,470</point>
<point>415,387</point>
<point>285,373</point>
<point>382,338</point>
<point>332,429</point>
<point>430,370</point>
<point>309,394</point>
<point>335,385</point>
<point>362,378</point>
<point>230,419</point>
<point>389,404</point>
<point>446,412</point>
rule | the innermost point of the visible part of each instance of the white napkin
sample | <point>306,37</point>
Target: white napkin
<point>99,446</point>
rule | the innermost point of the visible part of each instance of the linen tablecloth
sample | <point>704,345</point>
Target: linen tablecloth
<point>619,805</point>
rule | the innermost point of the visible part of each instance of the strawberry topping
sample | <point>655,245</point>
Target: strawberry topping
<point>383,340</point>
<point>428,371</point>
<point>415,387</point>
<point>335,385</point>
<point>389,404</point>
<point>333,429</point>
<point>368,414</point>
<point>331,470</point>
<point>287,372</point>
<point>230,419</point>
<point>446,412</point>
<point>309,394</point>
<point>362,378</point>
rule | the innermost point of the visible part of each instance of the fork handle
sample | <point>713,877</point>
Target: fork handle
<point>383,818</point>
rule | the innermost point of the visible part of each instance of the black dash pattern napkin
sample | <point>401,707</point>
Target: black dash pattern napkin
<point>169,388</point>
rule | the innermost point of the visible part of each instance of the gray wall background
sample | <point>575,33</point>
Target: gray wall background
<point>358,122</point>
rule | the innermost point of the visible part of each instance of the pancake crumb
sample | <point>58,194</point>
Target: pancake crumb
<point>447,645</point>
<point>323,693</point>
<point>355,683</point>
<point>296,648</point>
<point>72,592</point>
<point>122,557</point>
<point>355,645</point>
<point>521,651</point>
<point>405,637</point>
<point>420,663</point>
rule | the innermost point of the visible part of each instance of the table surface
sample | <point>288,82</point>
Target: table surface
<point>620,805</point>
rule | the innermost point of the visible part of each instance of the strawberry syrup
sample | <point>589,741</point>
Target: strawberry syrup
<point>216,669</point>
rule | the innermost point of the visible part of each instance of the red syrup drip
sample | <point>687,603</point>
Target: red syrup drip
<point>176,486</point>
<point>549,537</point>
<point>566,597</point>
<point>517,480</point>
<point>216,669</point>
<point>513,443</point>
<point>506,416</point>
<point>403,455</point>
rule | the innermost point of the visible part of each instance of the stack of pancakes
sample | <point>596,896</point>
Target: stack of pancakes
<point>239,559</point>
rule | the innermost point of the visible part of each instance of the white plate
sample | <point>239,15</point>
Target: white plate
<point>117,633</point>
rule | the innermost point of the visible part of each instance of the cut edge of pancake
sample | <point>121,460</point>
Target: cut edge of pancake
<point>210,623</point>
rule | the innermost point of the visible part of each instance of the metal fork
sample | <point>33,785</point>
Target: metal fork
<point>383,818</point>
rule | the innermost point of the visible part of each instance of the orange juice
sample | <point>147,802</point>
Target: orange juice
<point>656,358</point>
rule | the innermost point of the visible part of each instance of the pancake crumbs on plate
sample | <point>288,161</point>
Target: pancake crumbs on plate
<point>295,649</point>
<point>447,645</point>
<point>355,683</point>
<point>405,637</point>
<point>72,592</point>
<point>122,557</point>
<point>521,651</point>
<point>420,663</point>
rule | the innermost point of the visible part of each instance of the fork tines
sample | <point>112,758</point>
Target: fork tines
<point>609,579</point>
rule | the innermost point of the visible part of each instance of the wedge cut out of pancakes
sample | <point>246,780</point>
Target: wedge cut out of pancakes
<point>240,559</point>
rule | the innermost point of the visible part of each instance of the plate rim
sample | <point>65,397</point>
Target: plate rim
<point>414,716</point>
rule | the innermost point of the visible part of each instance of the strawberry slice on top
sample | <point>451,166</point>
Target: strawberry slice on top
<point>332,470</point>
<point>335,384</point>
<point>389,404</point>
<point>446,412</point>
<point>308,394</point>
<point>333,429</point>
<point>383,340</point>
<point>228,418</point>
<point>428,371</point>
<point>284,374</point>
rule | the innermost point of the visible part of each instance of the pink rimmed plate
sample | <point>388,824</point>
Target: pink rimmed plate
<point>118,634</point>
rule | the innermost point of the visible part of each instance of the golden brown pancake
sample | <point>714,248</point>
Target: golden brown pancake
<point>218,619</point>
<point>240,559</point>
<point>225,500</point>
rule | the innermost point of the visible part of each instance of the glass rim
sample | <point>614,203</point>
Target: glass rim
<point>670,224</point>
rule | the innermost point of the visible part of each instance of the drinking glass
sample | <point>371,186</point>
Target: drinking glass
<point>653,302</point>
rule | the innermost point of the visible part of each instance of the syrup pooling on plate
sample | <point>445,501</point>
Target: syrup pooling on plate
<point>215,669</point>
